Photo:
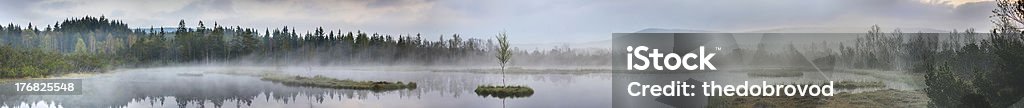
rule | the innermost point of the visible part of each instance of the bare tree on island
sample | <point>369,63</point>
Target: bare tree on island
<point>504,90</point>
<point>503,53</point>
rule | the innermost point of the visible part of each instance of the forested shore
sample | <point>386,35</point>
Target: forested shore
<point>92,44</point>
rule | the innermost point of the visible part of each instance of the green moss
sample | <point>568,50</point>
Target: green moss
<point>326,82</point>
<point>504,91</point>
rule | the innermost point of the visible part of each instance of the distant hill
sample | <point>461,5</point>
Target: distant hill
<point>842,30</point>
<point>605,43</point>
<point>662,30</point>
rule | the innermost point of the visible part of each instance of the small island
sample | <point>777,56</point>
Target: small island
<point>504,91</point>
<point>326,82</point>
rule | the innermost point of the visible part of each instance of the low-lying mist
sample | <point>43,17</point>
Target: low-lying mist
<point>377,57</point>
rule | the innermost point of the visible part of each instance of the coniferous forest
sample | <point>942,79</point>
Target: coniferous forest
<point>95,44</point>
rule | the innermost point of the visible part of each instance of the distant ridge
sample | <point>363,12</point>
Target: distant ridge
<point>842,30</point>
<point>663,30</point>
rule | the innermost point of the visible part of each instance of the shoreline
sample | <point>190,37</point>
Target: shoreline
<point>72,75</point>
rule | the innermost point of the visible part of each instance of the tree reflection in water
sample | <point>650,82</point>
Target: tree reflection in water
<point>154,87</point>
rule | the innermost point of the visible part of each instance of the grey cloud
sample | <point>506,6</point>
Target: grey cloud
<point>975,10</point>
<point>16,10</point>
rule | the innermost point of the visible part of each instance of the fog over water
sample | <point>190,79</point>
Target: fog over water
<point>165,87</point>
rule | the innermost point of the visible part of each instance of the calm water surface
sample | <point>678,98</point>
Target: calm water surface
<point>168,88</point>
<point>164,87</point>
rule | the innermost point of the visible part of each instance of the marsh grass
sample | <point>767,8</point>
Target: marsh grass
<point>504,91</point>
<point>873,99</point>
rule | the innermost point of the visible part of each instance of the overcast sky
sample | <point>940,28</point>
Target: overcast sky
<point>527,21</point>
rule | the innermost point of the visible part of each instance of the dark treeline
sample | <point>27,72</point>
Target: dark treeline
<point>913,52</point>
<point>988,73</point>
<point>874,50</point>
<point>961,68</point>
<point>73,45</point>
<point>92,44</point>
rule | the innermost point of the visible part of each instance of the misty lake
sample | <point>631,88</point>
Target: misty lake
<point>173,87</point>
<point>168,87</point>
